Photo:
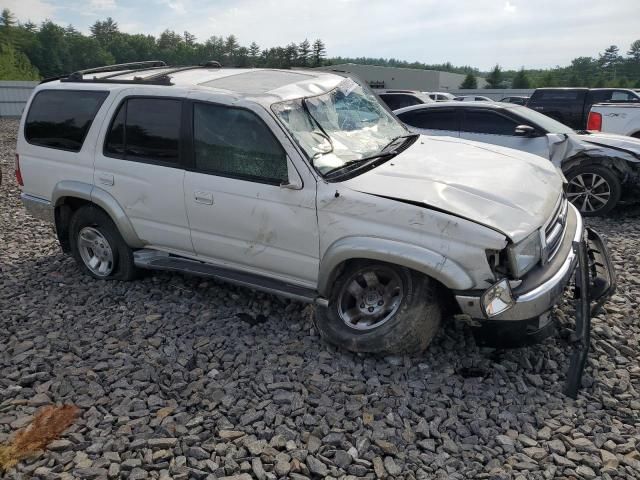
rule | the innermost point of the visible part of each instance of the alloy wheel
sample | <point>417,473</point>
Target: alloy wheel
<point>95,251</point>
<point>589,192</point>
<point>370,297</point>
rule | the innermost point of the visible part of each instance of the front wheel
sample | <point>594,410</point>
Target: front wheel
<point>593,189</point>
<point>380,308</point>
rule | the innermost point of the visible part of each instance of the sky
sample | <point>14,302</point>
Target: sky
<point>480,33</point>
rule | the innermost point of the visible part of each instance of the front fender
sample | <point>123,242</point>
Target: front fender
<point>431,263</point>
<point>103,199</point>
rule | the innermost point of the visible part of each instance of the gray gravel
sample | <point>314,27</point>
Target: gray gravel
<point>174,383</point>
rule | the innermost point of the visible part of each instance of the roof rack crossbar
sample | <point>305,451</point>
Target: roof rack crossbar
<point>134,70</point>
<point>174,70</point>
<point>120,66</point>
<point>136,81</point>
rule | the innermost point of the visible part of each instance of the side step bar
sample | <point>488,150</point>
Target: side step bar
<point>155,260</point>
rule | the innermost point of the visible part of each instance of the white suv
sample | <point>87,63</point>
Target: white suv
<point>298,183</point>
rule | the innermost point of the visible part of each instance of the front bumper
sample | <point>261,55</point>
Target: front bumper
<point>528,320</point>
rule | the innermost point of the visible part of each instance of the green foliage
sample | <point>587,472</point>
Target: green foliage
<point>495,78</point>
<point>469,82</point>
<point>521,80</point>
<point>15,65</point>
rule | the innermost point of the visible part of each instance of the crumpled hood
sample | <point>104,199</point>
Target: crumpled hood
<point>622,142</point>
<point>505,189</point>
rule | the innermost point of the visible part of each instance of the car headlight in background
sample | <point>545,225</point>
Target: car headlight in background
<point>523,256</point>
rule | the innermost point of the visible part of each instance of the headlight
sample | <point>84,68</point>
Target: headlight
<point>523,256</point>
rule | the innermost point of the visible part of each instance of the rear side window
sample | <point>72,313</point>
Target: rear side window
<point>395,101</point>
<point>431,119</point>
<point>477,121</point>
<point>61,118</point>
<point>236,143</point>
<point>147,130</point>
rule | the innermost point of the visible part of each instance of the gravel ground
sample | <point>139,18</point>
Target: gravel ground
<point>174,382</point>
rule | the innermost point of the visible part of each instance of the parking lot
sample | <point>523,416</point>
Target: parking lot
<point>180,377</point>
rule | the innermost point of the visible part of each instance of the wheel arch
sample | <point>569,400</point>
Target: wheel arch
<point>420,259</point>
<point>69,195</point>
<point>618,165</point>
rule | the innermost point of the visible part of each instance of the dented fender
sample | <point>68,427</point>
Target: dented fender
<point>443,269</point>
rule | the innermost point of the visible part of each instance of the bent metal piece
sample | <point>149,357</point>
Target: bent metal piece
<point>583,323</point>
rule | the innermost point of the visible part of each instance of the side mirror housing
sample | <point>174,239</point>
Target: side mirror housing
<point>525,131</point>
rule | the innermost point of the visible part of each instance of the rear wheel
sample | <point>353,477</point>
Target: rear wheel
<point>380,308</point>
<point>593,189</point>
<point>98,247</point>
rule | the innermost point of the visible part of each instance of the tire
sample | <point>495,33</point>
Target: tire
<point>593,201</point>
<point>93,235</point>
<point>406,323</point>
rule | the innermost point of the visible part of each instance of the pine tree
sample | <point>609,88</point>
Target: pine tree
<point>189,39</point>
<point>254,50</point>
<point>634,51</point>
<point>7,19</point>
<point>494,80</point>
<point>521,80</point>
<point>304,50</point>
<point>469,82</point>
<point>318,53</point>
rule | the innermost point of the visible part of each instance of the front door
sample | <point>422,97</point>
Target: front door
<point>485,125</point>
<point>249,206</point>
<point>140,165</point>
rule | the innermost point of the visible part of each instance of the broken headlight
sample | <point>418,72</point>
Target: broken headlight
<point>525,255</point>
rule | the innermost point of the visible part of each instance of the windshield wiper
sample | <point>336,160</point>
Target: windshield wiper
<point>359,163</point>
<point>323,132</point>
<point>395,139</point>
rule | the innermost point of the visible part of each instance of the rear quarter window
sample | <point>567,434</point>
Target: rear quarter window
<point>60,119</point>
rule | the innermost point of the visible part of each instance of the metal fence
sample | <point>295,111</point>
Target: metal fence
<point>14,96</point>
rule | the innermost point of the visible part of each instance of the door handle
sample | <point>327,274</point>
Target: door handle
<point>205,198</point>
<point>105,179</point>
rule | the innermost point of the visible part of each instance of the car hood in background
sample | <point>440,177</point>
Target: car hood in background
<point>621,142</point>
<point>507,190</point>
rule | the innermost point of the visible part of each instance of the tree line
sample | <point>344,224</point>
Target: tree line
<point>31,52</point>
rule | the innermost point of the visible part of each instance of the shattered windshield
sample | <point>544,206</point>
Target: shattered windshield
<point>342,126</point>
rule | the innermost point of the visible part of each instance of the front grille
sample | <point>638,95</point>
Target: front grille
<point>554,230</point>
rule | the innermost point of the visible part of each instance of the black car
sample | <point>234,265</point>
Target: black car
<point>571,105</point>
<point>515,99</point>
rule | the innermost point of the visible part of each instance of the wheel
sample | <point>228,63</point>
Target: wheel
<point>380,308</point>
<point>98,247</point>
<point>593,189</point>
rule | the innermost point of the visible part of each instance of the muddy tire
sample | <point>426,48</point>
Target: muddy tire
<point>377,307</point>
<point>593,189</point>
<point>98,247</point>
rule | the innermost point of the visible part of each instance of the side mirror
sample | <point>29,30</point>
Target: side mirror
<point>525,131</point>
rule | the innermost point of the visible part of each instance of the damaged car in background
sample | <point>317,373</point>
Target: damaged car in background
<point>601,169</point>
<point>302,184</point>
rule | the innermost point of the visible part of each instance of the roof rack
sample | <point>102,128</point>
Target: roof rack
<point>119,66</point>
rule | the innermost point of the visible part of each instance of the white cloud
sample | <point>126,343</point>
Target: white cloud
<point>509,7</point>
<point>33,10</point>
<point>102,4</point>
<point>177,6</point>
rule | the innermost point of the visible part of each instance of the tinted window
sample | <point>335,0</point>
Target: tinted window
<point>394,102</point>
<point>146,129</point>
<point>556,96</point>
<point>478,121</point>
<point>61,119</point>
<point>236,143</point>
<point>433,119</point>
<point>622,96</point>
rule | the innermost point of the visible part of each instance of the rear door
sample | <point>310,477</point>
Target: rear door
<point>140,165</point>
<point>490,126</point>
<point>566,106</point>
<point>250,207</point>
<point>433,121</point>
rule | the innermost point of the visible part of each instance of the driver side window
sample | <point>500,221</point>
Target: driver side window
<point>236,143</point>
<point>478,121</point>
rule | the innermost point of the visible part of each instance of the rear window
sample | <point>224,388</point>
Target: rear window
<point>555,96</point>
<point>61,118</point>
<point>397,101</point>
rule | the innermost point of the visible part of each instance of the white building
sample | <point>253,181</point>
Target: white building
<point>404,78</point>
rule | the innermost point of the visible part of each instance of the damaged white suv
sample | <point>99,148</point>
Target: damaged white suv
<point>300,183</point>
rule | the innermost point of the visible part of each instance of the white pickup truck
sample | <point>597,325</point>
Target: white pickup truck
<point>623,119</point>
